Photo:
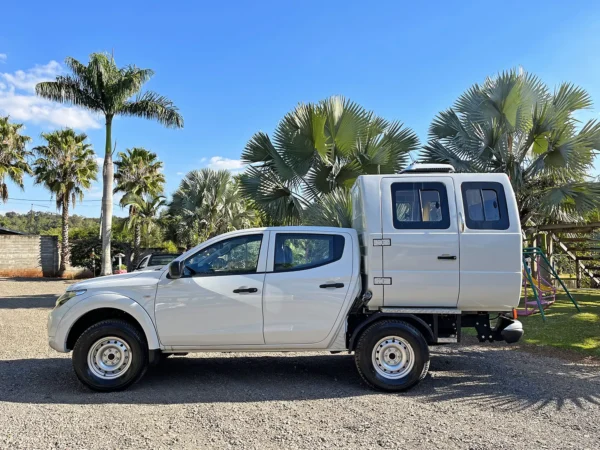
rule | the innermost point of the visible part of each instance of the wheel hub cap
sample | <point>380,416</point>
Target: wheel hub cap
<point>393,357</point>
<point>109,358</point>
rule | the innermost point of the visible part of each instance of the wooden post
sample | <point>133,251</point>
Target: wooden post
<point>534,264</point>
<point>578,273</point>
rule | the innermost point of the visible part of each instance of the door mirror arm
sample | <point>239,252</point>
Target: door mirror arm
<point>176,269</point>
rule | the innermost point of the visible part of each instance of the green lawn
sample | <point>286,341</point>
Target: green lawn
<point>565,327</point>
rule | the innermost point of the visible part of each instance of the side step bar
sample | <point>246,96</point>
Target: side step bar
<point>391,310</point>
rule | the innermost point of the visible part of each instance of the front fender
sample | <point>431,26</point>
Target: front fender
<point>101,300</point>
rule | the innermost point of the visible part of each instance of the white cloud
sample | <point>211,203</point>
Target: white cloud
<point>18,100</point>
<point>220,163</point>
<point>180,173</point>
<point>27,79</point>
<point>3,57</point>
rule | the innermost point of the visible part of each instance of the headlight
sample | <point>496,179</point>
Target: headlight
<point>67,296</point>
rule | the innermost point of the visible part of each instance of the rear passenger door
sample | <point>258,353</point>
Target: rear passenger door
<point>490,246</point>
<point>307,284</point>
<point>420,242</point>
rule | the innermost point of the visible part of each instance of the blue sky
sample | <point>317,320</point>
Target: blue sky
<point>234,68</point>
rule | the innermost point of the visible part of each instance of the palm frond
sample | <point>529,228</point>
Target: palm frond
<point>151,105</point>
<point>67,89</point>
<point>13,155</point>
<point>332,210</point>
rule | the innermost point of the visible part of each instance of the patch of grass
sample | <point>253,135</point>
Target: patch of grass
<point>566,328</point>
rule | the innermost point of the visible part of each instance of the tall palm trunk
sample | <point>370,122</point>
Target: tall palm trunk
<point>107,201</point>
<point>137,243</point>
<point>65,254</point>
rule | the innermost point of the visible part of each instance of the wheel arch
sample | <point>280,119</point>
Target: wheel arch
<point>95,309</point>
<point>412,319</point>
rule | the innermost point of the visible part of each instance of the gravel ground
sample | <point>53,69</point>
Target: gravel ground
<point>475,397</point>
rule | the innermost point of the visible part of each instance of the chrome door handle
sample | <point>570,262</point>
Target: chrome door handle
<point>243,289</point>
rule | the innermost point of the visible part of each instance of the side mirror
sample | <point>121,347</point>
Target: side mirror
<point>176,269</point>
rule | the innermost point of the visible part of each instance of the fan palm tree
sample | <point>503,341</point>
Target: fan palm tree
<point>317,149</point>
<point>147,208</point>
<point>13,155</point>
<point>66,165</point>
<point>515,125</point>
<point>333,209</point>
<point>208,203</point>
<point>104,88</point>
<point>138,174</point>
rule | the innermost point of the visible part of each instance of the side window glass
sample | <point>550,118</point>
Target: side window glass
<point>233,256</point>
<point>491,207</point>
<point>420,206</point>
<point>296,251</point>
<point>407,206</point>
<point>474,204</point>
<point>485,206</point>
<point>430,206</point>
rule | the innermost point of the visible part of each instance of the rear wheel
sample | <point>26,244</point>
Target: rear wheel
<point>392,355</point>
<point>110,355</point>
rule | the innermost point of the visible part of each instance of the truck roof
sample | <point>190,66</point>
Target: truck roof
<point>292,229</point>
<point>455,176</point>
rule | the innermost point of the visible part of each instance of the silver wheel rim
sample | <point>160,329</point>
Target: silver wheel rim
<point>393,357</point>
<point>109,358</point>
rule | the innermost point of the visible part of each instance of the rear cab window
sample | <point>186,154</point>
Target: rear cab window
<point>421,205</point>
<point>485,206</point>
<point>301,251</point>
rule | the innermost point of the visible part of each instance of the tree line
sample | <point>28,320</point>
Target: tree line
<point>512,123</point>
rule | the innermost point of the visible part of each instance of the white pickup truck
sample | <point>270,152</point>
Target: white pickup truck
<point>430,252</point>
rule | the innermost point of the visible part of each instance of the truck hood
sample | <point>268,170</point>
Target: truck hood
<point>146,277</point>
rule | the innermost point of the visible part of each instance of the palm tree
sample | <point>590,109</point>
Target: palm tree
<point>138,174</point>
<point>317,149</point>
<point>103,87</point>
<point>147,209</point>
<point>333,209</point>
<point>13,155</point>
<point>208,203</point>
<point>66,166</point>
<point>514,124</point>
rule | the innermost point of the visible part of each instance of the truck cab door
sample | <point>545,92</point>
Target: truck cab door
<point>310,278</point>
<point>218,300</point>
<point>420,241</point>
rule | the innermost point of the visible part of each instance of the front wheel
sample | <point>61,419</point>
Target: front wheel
<point>392,355</point>
<point>110,355</point>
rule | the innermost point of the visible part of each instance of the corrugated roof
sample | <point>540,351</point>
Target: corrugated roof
<point>7,231</point>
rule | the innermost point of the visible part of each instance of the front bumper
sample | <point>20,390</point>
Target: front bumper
<point>56,339</point>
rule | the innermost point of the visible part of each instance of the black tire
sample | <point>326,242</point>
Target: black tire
<point>125,332</point>
<point>411,338</point>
